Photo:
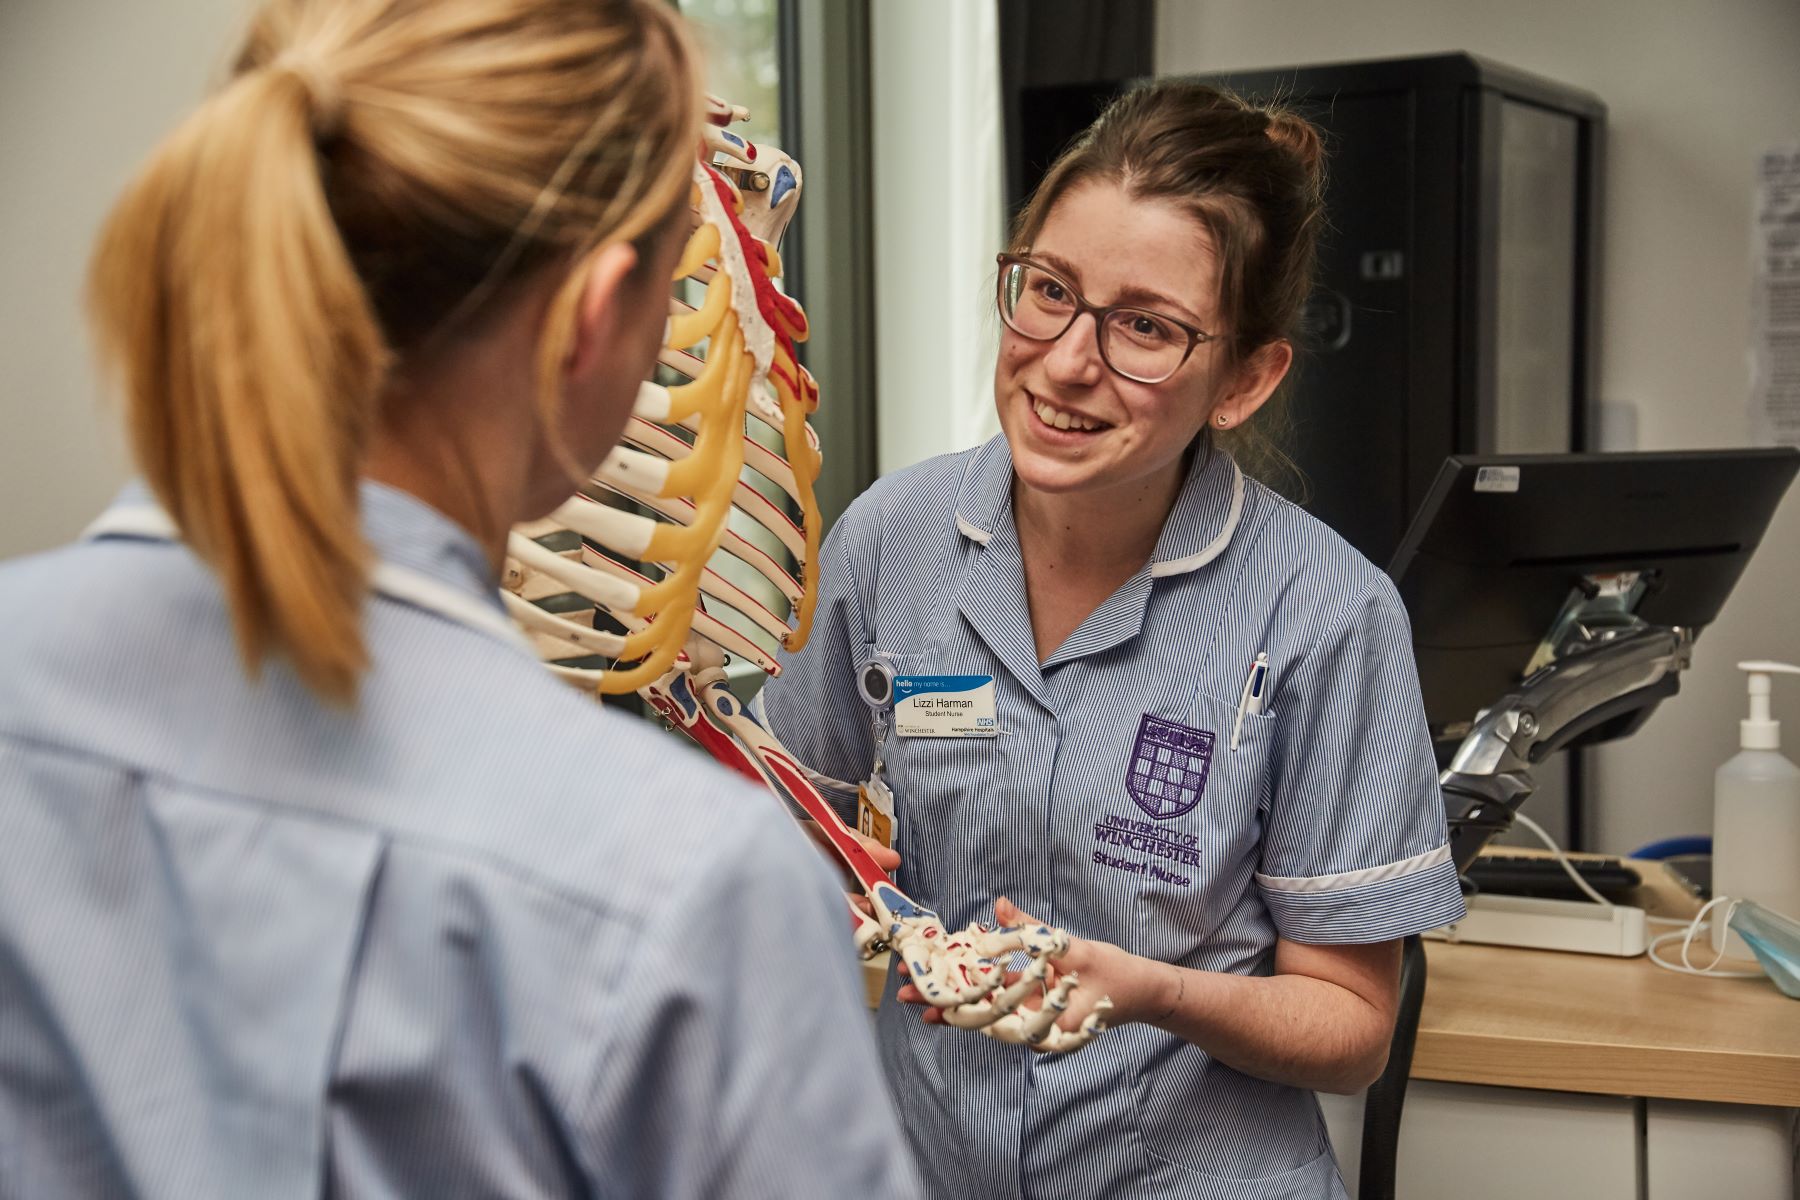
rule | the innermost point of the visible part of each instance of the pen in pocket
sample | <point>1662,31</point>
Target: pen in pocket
<point>1250,703</point>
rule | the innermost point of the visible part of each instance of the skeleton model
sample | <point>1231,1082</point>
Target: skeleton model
<point>687,447</point>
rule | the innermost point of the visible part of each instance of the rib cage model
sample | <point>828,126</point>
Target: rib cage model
<point>680,580</point>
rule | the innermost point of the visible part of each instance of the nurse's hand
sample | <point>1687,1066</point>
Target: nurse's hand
<point>888,860</point>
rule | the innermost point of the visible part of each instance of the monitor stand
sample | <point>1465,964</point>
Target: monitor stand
<point>1602,672</point>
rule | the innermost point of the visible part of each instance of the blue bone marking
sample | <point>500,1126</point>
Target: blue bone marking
<point>784,183</point>
<point>733,138</point>
<point>895,902</point>
<point>684,698</point>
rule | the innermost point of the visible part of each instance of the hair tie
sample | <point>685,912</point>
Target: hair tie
<point>323,93</point>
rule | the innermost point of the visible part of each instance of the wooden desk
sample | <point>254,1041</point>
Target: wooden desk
<point>1617,1026</point>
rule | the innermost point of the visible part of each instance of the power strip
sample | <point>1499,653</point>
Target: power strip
<point>1580,926</point>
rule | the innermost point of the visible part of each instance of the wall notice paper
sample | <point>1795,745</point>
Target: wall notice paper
<point>1775,355</point>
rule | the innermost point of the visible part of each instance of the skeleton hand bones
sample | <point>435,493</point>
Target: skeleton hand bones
<point>964,976</point>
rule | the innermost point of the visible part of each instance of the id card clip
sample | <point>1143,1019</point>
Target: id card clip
<point>874,799</point>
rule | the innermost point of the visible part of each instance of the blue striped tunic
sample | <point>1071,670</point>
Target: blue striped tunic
<point>1112,803</point>
<point>475,938</point>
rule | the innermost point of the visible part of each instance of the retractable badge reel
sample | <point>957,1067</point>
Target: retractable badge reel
<point>874,801</point>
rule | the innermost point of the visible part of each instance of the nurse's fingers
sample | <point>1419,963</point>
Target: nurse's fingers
<point>1007,914</point>
<point>888,860</point>
<point>933,1015</point>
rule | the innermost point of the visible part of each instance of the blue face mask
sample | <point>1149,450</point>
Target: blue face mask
<point>1774,939</point>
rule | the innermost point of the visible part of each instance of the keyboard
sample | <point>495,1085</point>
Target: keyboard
<point>1541,875</point>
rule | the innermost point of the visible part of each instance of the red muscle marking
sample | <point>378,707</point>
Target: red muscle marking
<point>796,785</point>
<point>725,748</point>
<point>781,313</point>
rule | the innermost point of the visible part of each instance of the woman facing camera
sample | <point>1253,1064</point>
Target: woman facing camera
<point>1205,754</point>
<point>312,880</point>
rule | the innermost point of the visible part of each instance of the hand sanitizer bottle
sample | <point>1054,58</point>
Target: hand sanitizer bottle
<point>1756,815</point>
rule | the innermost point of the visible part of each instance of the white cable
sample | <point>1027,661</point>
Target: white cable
<point>1687,933</point>
<point>1563,859</point>
<point>1699,923</point>
<point>1690,929</point>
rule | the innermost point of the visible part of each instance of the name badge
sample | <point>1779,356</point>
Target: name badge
<point>944,706</point>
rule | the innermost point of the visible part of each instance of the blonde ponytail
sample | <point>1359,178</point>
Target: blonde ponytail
<point>378,178</point>
<point>251,365</point>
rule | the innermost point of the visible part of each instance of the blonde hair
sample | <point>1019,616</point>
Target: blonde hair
<point>375,177</point>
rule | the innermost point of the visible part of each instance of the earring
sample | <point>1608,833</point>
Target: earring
<point>1224,420</point>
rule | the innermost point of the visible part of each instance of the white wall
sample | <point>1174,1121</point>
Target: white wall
<point>85,90</point>
<point>939,221</point>
<point>1694,93</point>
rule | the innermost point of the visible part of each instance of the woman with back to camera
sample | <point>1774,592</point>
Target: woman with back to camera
<point>312,881</point>
<point>1211,762</point>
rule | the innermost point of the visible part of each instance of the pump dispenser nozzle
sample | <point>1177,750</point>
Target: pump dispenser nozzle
<point>1761,731</point>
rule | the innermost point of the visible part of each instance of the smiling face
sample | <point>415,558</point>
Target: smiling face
<point>1073,423</point>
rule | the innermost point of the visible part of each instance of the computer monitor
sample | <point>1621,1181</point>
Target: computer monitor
<point>1505,548</point>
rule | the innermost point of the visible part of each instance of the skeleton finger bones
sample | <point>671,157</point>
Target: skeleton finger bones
<point>964,975</point>
<point>699,538</point>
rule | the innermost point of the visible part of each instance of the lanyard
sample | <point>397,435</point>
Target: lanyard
<point>391,580</point>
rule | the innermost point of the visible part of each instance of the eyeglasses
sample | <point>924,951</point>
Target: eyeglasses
<point>1141,345</point>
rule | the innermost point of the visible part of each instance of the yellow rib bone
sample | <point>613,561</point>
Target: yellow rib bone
<point>690,328</point>
<point>805,462</point>
<point>672,601</point>
<point>703,246</point>
<point>759,508</point>
<point>705,393</point>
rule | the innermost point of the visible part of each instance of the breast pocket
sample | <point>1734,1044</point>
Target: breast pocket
<point>1205,798</point>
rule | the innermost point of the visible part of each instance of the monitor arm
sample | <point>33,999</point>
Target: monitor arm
<point>1602,681</point>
